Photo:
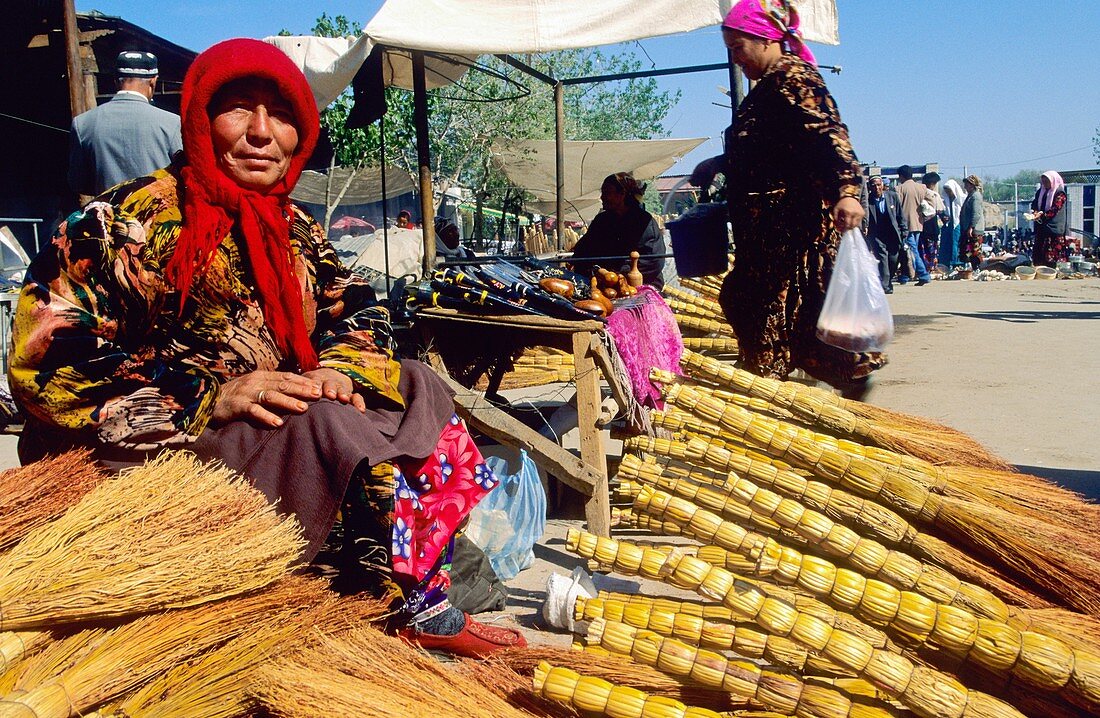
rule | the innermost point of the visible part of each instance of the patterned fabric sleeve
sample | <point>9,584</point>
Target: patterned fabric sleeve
<point>827,147</point>
<point>1056,205</point>
<point>80,358</point>
<point>353,332</point>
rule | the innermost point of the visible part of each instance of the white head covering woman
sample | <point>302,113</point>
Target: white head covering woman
<point>953,197</point>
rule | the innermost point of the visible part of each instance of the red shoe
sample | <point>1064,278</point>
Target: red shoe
<point>475,640</point>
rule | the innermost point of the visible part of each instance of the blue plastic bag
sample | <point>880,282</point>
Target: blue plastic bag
<point>508,522</point>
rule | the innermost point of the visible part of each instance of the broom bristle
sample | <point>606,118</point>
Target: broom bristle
<point>216,685</point>
<point>170,533</point>
<point>32,495</point>
<point>101,664</point>
<point>373,675</point>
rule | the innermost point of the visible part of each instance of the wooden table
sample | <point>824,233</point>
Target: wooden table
<point>588,474</point>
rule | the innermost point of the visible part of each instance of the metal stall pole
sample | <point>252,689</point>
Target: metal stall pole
<point>559,161</point>
<point>423,159</point>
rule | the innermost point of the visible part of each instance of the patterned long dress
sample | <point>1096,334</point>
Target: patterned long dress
<point>104,357</point>
<point>788,161</point>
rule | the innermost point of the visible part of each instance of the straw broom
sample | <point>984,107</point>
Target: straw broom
<point>745,680</point>
<point>877,522</point>
<point>840,621</point>
<point>705,290</point>
<point>588,693</point>
<point>695,310</point>
<point>1009,489</point>
<point>1039,661</point>
<point>918,437</point>
<point>171,533</point>
<point>16,645</point>
<point>766,508</point>
<point>705,303</point>
<point>706,326</point>
<point>1043,553</point>
<point>366,673</point>
<point>217,684</point>
<point>97,665</point>
<point>843,587</point>
<point>32,495</point>
<point>719,345</point>
<point>743,638</point>
<point>508,673</point>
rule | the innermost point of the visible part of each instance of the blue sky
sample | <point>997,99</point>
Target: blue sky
<point>995,86</point>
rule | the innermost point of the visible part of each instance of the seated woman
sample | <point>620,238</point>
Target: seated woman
<point>199,308</point>
<point>621,228</point>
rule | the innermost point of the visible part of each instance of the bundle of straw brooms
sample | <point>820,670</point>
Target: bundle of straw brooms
<point>829,551</point>
<point>165,592</point>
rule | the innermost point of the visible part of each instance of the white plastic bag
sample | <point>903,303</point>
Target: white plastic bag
<point>508,522</point>
<point>856,316</point>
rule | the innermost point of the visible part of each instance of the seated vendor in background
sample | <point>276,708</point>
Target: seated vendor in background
<point>448,246</point>
<point>621,228</point>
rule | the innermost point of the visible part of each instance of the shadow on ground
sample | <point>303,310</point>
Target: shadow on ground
<point>1025,317</point>
<point>1083,482</point>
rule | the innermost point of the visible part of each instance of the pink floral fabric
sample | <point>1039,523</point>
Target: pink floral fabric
<point>432,498</point>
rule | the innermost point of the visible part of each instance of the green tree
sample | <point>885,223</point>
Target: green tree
<point>1005,190</point>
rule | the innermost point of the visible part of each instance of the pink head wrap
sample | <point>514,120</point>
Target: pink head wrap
<point>771,20</point>
<point>1046,196</point>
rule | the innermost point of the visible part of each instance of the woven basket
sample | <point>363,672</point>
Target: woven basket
<point>1045,273</point>
<point>1025,272</point>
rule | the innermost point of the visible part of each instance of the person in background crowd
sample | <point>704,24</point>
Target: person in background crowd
<point>1051,220</point>
<point>404,219</point>
<point>930,230</point>
<point>199,308</point>
<point>886,230</point>
<point>622,227</point>
<point>125,138</point>
<point>972,222</point>
<point>792,186</point>
<point>912,194</point>
<point>954,196</point>
<point>448,246</point>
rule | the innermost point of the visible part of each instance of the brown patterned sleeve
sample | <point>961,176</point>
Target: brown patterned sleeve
<point>816,124</point>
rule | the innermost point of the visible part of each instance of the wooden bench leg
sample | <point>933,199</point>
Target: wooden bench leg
<point>597,508</point>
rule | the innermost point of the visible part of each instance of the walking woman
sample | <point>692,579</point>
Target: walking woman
<point>972,222</point>
<point>793,185</point>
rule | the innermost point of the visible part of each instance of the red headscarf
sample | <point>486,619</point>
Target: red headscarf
<point>213,203</point>
<point>771,20</point>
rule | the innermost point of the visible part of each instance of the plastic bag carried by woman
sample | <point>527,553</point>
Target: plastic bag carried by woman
<point>856,316</point>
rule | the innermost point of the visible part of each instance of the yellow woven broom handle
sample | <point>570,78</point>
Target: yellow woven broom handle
<point>862,476</point>
<point>745,681</point>
<point>927,692</point>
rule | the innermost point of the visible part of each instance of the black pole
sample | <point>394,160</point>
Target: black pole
<point>385,198</point>
<point>423,160</point>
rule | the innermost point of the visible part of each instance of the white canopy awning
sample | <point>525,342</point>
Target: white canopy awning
<point>531,165</point>
<point>366,186</point>
<point>475,27</point>
<point>470,28</point>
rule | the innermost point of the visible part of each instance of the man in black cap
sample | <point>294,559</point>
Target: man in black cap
<point>126,137</point>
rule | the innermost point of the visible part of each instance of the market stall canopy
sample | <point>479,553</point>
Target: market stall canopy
<point>330,63</point>
<point>366,187</point>
<point>469,28</point>
<point>530,164</point>
<point>474,27</point>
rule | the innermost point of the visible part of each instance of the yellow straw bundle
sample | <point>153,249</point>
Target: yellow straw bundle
<point>1041,552</point>
<point>743,638</point>
<point>706,326</point>
<point>17,645</point>
<point>78,673</point>
<point>593,695</point>
<point>696,310</point>
<point>217,684</point>
<point>746,681</point>
<point>705,303</point>
<point>705,289</point>
<point>914,436</point>
<point>32,495</point>
<point>1042,662</point>
<point>718,345</point>
<point>366,673</point>
<point>171,533</point>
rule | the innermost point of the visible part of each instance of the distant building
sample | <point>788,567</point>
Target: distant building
<point>890,174</point>
<point>1081,190</point>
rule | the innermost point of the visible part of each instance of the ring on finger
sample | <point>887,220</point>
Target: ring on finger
<point>260,396</point>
